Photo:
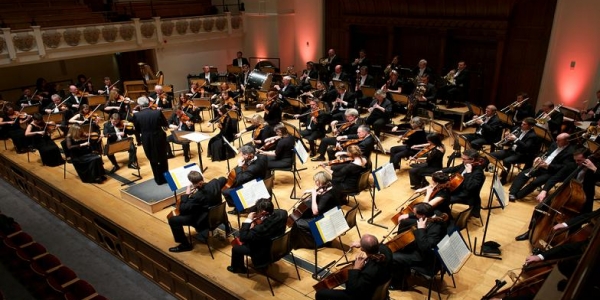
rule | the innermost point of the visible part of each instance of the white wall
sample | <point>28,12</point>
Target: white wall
<point>574,38</point>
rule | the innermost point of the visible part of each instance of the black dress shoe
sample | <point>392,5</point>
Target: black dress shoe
<point>187,159</point>
<point>170,155</point>
<point>237,270</point>
<point>113,170</point>
<point>181,248</point>
<point>318,158</point>
<point>512,198</point>
<point>133,166</point>
<point>522,237</point>
<point>233,212</point>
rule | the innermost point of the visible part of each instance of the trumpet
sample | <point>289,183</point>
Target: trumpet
<point>505,140</point>
<point>513,105</point>
<point>471,122</point>
<point>536,166</point>
<point>591,131</point>
<point>543,119</point>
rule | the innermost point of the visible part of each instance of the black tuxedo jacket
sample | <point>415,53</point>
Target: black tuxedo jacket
<point>213,77</point>
<point>257,169</point>
<point>149,123</point>
<point>472,183</point>
<point>416,71</point>
<point>563,158</point>
<point>529,145</point>
<point>72,99</point>
<point>492,129</point>
<point>366,146</point>
<point>198,203</point>
<point>288,92</point>
<point>463,79</point>
<point>332,62</point>
<point>555,122</point>
<point>343,76</point>
<point>362,283</point>
<point>258,239</point>
<point>235,62</point>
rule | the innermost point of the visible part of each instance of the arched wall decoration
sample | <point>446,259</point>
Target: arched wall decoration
<point>126,31</point>
<point>91,35</point>
<point>51,38</point>
<point>181,26</point>
<point>195,25</point>
<point>147,30</point>
<point>24,41</point>
<point>72,37</point>
<point>167,28</point>
<point>109,33</point>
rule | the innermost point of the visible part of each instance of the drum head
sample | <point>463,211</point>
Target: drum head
<point>259,81</point>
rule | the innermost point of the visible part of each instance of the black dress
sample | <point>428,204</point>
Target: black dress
<point>87,164</point>
<point>284,154</point>
<point>346,176</point>
<point>16,134</point>
<point>49,151</point>
<point>301,235</point>
<point>217,149</point>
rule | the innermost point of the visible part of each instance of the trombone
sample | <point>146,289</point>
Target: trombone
<point>543,119</point>
<point>513,105</point>
<point>471,122</point>
<point>505,140</point>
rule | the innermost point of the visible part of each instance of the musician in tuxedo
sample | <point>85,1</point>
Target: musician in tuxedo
<point>593,113</point>
<point>344,101</point>
<point>287,89</point>
<point>319,200</point>
<point>363,139</point>
<point>361,60</point>
<point>239,60</point>
<point>558,156</point>
<point>427,97</point>
<point>522,110</point>
<point>307,74</point>
<point>106,87</point>
<point>489,129</point>
<point>56,107</point>
<point>149,123</point>
<point>180,121</point>
<point>471,169</point>
<point>272,108</point>
<point>161,98</point>
<point>371,269</point>
<point>332,61</point>
<point>249,167</point>
<point>457,88</point>
<point>420,253</point>
<point>115,131</point>
<point>550,118</point>
<point>523,144</point>
<point>380,112</point>
<point>339,74</point>
<point>256,238</point>
<point>422,69</point>
<point>209,78</point>
<point>415,136</point>
<point>349,127</point>
<point>363,79</point>
<point>74,99</point>
<point>28,98</point>
<point>586,166</point>
<point>193,209</point>
<point>315,121</point>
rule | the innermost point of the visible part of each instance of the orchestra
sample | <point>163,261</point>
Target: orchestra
<point>344,133</point>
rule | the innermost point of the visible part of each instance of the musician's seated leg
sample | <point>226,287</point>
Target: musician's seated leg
<point>397,153</point>
<point>301,236</point>
<point>324,145</point>
<point>331,153</point>
<point>176,223</point>
<point>532,185</point>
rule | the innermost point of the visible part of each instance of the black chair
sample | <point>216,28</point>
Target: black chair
<point>280,247</point>
<point>216,217</point>
<point>295,172</point>
<point>381,292</point>
<point>363,184</point>
<point>462,222</point>
<point>351,220</point>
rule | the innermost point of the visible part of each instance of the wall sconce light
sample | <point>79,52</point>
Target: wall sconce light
<point>307,44</point>
<point>572,65</point>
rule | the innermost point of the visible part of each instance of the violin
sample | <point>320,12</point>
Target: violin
<point>349,142</point>
<point>271,143</point>
<point>336,161</point>
<point>406,135</point>
<point>422,152</point>
<point>184,118</point>
<point>345,126</point>
<point>89,116</point>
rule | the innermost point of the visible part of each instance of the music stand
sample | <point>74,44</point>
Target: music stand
<point>462,143</point>
<point>379,145</point>
<point>399,98</point>
<point>313,83</point>
<point>122,146</point>
<point>505,119</point>
<point>489,207</point>
<point>297,106</point>
<point>543,133</point>
<point>593,146</point>
<point>30,109</point>
<point>182,136</point>
<point>368,91</point>
<point>234,69</point>
<point>337,83</point>
<point>204,104</point>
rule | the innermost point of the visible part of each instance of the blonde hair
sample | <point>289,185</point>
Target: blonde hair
<point>257,119</point>
<point>354,151</point>
<point>322,177</point>
<point>75,132</point>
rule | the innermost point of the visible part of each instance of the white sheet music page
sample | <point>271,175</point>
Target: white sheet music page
<point>230,146</point>
<point>301,152</point>
<point>453,251</point>
<point>251,192</point>
<point>196,137</point>
<point>332,225</point>
<point>386,175</point>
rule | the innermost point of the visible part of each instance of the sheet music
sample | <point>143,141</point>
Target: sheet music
<point>332,224</point>
<point>196,137</point>
<point>301,151</point>
<point>453,252</point>
<point>177,178</point>
<point>251,192</point>
<point>230,146</point>
<point>385,176</point>
<point>499,190</point>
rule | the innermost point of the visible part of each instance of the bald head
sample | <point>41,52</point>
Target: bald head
<point>369,244</point>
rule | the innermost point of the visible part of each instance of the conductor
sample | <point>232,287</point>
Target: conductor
<point>149,123</point>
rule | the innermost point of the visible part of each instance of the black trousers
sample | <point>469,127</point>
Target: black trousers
<point>158,169</point>
<point>477,141</point>
<point>519,188</point>
<point>325,142</point>
<point>418,172</point>
<point>510,157</point>
<point>185,146</point>
<point>377,124</point>
<point>312,136</point>
<point>176,223</point>
<point>237,255</point>
<point>397,153</point>
<point>132,156</point>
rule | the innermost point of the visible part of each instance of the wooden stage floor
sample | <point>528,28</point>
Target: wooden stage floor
<point>141,239</point>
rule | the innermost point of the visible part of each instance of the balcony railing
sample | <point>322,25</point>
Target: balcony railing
<point>39,44</point>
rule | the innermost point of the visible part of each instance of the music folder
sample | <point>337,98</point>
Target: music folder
<point>384,176</point>
<point>246,196</point>
<point>453,252</point>
<point>329,226</point>
<point>177,178</point>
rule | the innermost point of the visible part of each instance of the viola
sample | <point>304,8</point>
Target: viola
<point>271,143</point>
<point>406,135</point>
<point>336,161</point>
<point>345,126</point>
<point>423,152</point>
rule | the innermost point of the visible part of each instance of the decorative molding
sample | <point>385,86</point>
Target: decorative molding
<point>126,31</point>
<point>426,23</point>
<point>147,30</point>
<point>109,33</point>
<point>91,35</point>
<point>167,28</point>
<point>2,44</point>
<point>195,25</point>
<point>181,26</point>
<point>72,37</point>
<point>208,24</point>
<point>221,23</point>
<point>24,41</point>
<point>236,22</point>
<point>51,38</point>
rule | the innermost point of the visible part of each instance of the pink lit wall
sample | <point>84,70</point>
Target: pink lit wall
<point>572,69</point>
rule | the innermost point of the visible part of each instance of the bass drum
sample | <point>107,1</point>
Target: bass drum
<point>259,81</point>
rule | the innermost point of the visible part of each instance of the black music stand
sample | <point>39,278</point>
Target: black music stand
<point>493,192</point>
<point>459,142</point>
<point>505,119</point>
<point>380,146</point>
<point>121,146</point>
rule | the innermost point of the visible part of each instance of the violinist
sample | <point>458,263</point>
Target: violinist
<point>256,238</point>
<point>283,154</point>
<point>471,169</point>
<point>107,87</point>
<point>380,112</point>
<point>345,174</point>
<point>410,139</point>
<point>160,98</point>
<point>39,132</point>
<point>345,100</point>
<point>11,121</point>
<point>558,156</point>
<point>217,149</point>
<point>189,109</point>
<point>489,129</point>
<point>58,106</point>
<point>435,151</point>
<point>272,108</point>
<point>315,125</point>
<point>116,103</point>
<point>87,164</point>
<point>371,269</point>
<point>75,99</point>
<point>320,200</point>
<point>420,253</point>
<point>362,139</point>
<point>193,209</point>
<point>437,194</point>
<point>86,116</point>
<point>29,99</point>
<point>180,121</point>
<point>339,129</point>
<point>260,131</point>
<point>249,167</point>
<point>209,77</point>
<point>115,131</point>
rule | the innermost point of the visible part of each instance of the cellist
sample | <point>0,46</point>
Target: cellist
<point>193,209</point>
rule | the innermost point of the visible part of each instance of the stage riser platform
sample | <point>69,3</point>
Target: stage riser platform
<point>169,274</point>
